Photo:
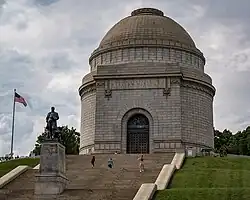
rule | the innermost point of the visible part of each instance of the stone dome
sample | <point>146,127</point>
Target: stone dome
<point>146,57</point>
<point>146,27</point>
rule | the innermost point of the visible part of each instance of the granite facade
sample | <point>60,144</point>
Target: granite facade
<point>161,79</point>
<point>88,112</point>
<point>179,109</point>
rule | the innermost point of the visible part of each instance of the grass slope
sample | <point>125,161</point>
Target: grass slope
<point>210,178</point>
<point>7,166</point>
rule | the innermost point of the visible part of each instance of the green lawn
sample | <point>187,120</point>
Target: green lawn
<point>210,178</point>
<point>205,194</point>
<point>7,166</point>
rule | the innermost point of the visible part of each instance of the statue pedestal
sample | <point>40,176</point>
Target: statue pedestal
<point>51,179</point>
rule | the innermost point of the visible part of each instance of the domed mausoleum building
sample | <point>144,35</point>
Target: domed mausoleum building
<point>146,91</point>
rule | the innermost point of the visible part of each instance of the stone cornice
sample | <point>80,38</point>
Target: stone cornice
<point>197,85</point>
<point>87,88</point>
<point>199,82</point>
<point>176,78</point>
<point>159,75</point>
<point>86,147</point>
<point>155,75</point>
<point>139,76</point>
<point>85,85</point>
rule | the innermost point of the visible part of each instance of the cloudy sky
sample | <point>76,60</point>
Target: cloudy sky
<point>45,45</point>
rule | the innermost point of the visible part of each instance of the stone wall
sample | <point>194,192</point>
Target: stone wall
<point>149,54</point>
<point>141,94</point>
<point>197,115</point>
<point>169,96</point>
<point>88,107</point>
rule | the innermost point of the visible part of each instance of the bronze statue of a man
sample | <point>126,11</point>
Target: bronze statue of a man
<point>51,120</point>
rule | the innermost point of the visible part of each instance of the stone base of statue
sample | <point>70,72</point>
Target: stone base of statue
<point>51,179</point>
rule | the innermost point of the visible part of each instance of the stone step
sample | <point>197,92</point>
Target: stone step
<point>74,158</point>
<point>3,194</point>
<point>114,179</point>
<point>98,194</point>
<point>98,183</point>
<point>83,162</point>
<point>83,194</point>
<point>20,194</point>
<point>117,156</point>
<point>25,181</point>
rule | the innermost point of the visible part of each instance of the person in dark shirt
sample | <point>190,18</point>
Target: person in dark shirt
<point>93,161</point>
<point>110,163</point>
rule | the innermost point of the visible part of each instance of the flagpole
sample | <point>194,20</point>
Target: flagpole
<point>13,125</point>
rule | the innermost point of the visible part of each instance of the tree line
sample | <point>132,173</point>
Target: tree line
<point>226,142</point>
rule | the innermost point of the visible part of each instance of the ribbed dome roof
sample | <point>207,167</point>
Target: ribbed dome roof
<point>146,27</point>
<point>146,24</point>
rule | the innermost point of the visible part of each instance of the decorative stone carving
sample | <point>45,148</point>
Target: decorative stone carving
<point>167,89</point>
<point>108,93</point>
<point>99,83</point>
<point>175,81</point>
<point>136,84</point>
<point>167,92</point>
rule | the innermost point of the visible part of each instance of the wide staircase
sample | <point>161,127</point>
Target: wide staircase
<point>98,183</point>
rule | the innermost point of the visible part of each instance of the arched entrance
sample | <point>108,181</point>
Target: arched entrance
<point>138,134</point>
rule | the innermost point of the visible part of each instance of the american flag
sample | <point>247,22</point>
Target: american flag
<point>20,99</point>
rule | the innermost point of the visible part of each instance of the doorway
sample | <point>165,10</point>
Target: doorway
<point>138,134</point>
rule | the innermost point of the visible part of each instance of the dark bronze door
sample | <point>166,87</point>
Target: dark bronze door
<point>138,134</point>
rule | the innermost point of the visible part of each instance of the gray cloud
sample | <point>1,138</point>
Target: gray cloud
<point>44,2</point>
<point>45,45</point>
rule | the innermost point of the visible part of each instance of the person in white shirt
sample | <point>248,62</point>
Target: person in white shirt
<point>141,163</point>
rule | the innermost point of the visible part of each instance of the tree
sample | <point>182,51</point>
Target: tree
<point>238,143</point>
<point>221,140</point>
<point>70,139</point>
